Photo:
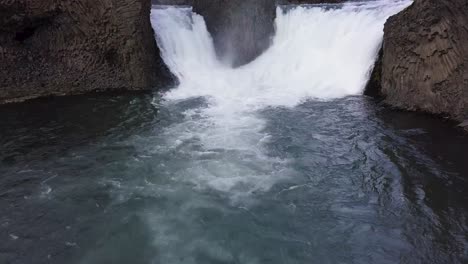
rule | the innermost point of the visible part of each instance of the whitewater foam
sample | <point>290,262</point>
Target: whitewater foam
<point>317,53</point>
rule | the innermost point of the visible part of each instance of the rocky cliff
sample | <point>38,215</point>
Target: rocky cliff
<point>241,29</point>
<point>424,63</point>
<point>58,47</point>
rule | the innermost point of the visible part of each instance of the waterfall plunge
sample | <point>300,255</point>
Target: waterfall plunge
<point>317,53</point>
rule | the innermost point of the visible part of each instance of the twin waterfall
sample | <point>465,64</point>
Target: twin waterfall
<point>317,53</point>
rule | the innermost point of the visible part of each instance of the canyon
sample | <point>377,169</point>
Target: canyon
<point>71,47</point>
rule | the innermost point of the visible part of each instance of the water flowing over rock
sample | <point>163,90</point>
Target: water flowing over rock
<point>425,59</point>
<point>59,47</point>
<point>241,29</point>
<point>310,1</point>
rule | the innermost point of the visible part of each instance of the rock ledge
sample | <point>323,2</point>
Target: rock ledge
<point>62,47</point>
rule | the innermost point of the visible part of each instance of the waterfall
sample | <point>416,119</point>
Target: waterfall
<point>317,53</point>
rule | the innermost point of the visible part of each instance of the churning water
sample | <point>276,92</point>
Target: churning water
<point>279,161</point>
<point>316,54</point>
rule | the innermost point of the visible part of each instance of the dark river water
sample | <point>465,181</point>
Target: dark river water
<point>238,166</point>
<point>94,179</point>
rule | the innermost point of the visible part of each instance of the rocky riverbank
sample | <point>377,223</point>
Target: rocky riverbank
<point>62,47</point>
<point>424,60</point>
<point>241,29</point>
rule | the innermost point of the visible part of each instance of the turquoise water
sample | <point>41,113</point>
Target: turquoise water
<point>92,180</point>
<point>280,161</point>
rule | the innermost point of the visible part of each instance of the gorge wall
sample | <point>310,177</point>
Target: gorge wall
<point>58,47</point>
<point>424,61</point>
<point>241,29</point>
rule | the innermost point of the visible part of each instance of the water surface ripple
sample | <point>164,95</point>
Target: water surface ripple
<point>87,180</point>
<point>280,161</point>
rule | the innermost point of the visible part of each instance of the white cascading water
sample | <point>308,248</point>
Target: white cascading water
<point>317,53</point>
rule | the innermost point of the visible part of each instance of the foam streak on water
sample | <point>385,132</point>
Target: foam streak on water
<point>317,53</point>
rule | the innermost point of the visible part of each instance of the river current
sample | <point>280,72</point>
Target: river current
<point>280,161</point>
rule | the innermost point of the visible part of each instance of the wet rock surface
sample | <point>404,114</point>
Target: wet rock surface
<point>241,29</point>
<point>424,66</point>
<point>52,47</point>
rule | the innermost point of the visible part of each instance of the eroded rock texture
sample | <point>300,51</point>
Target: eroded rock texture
<point>241,29</point>
<point>425,58</point>
<point>59,47</point>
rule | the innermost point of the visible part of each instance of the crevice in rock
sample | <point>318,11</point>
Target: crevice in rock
<point>25,34</point>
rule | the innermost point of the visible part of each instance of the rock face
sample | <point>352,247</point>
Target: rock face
<point>241,29</point>
<point>60,47</point>
<point>424,66</point>
<point>311,1</point>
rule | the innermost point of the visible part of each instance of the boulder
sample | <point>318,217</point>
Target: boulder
<point>424,63</point>
<point>241,29</point>
<point>62,47</point>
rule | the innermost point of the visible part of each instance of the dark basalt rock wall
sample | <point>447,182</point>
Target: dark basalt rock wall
<point>61,47</point>
<point>424,63</point>
<point>241,29</point>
